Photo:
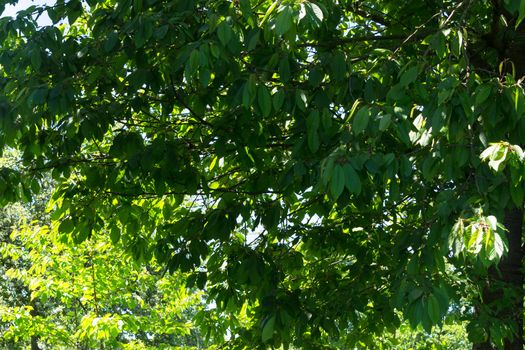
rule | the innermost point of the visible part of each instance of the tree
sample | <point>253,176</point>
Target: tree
<point>63,296</point>
<point>319,167</point>
<point>14,293</point>
<point>92,296</point>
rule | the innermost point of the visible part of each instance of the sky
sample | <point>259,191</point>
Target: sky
<point>11,10</point>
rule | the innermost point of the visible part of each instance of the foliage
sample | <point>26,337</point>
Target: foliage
<point>313,165</point>
<point>98,296</point>
<point>452,336</point>
<point>13,292</point>
<point>58,295</point>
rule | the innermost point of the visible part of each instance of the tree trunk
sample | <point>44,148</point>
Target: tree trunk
<point>508,277</point>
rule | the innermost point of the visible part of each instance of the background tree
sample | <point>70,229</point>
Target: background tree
<point>59,296</point>
<point>315,165</point>
<point>14,293</point>
<point>92,296</point>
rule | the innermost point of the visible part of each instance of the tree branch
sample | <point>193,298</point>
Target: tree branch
<point>357,39</point>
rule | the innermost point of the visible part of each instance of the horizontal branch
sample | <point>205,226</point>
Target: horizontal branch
<point>405,38</point>
<point>198,193</point>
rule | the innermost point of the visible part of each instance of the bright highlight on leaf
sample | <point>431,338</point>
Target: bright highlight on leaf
<point>481,237</point>
<point>498,154</point>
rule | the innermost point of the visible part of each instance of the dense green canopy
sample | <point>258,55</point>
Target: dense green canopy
<point>321,168</point>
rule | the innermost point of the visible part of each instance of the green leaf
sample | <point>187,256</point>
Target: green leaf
<point>161,32</point>
<point>408,76</point>
<point>315,77</point>
<point>284,20</point>
<point>249,90</point>
<point>193,63</point>
<point>442,297</point>
<point>83,232</point>
<point>482,93</point>
<point>278,99</point>
<point>327,169</point>
<point>313,141</point>
<point>314,12</point>
<point>384,122</point>
<point>246,9</point>
<point>338,66</point>
<point>399,296</point>
<point>425,320</point>
<point>361,119</point>
<point>313,120</point>
<point>284,69</point>
<point>521,14</point>
<point>446,89</point>
<point>143,31</point>
<point>114,235</point>
<point>38,97</point>
<point>488,152</point>
<point>518,152</point>
<point>351,114</point>
<point>492,222</point>
<point>476,237</point>
<point>517,194</point>
<point>269,11</point>
<point>66,226</point>
<point>352,180</point>
<point>498,158</point>
<point>476,333</point>
<point>500,245</point>
<point>74,10</point>
<point>312,126</point>
<point>438,43</point>
<point>225,33</point>
<point>254,40</point>
<point>433,308</point>
<point>36,59</point>
<point>413,265</point>
<point>265,100</point>
<point>268,328</point>
<point>35,186</point>
<point>54,16</point>
<point>419,313</point>
<point>337,184</point>
<point>415,294</point>
<point>300,100</point>
<point>456,45</point>
<point>516,96</point>
<point>111,42</point>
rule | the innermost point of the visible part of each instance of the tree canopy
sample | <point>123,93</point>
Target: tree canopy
<point>322,169</point>
<point>91,295</point>
<point>58,295</point>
